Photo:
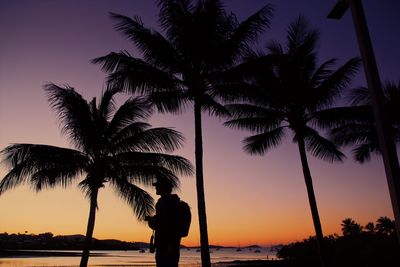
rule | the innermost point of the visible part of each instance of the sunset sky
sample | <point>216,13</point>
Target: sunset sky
<point>250,199</point>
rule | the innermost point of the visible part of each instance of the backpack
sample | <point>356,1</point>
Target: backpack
<point>184,218</point>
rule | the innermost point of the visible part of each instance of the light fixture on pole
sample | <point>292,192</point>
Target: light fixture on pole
<point>386,143</point>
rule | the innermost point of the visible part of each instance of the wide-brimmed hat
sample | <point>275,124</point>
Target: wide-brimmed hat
<point>163,182</point>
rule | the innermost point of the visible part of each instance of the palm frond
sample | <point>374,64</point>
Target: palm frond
<point>126,132</point>
<point>246,33</point>
<point>234,85</point>
<point>249,30</point>
<point>298,63</point>
<point>107,103</point>
<point>74,114</point>
<point>174,15</point>
<point>174,101</point>
<point>391,92</point>
<point>359,96</point>
<point>213,107</point>
<point>140,201</point>
<point>93,109</point>
<point>321,147</point>
<point>331,87</point>
<point>155,48</point>
<point>261,143</point>
<point>322,72</point>
<point>235,92</point>
<point>362,153</point>
<point>131,111</point>
<point>338,116</point>
<point>275,48</point>
<point>146,175</point>
<point>363,137</point>
<point>175,164</point>
<point>301,38</point>
<point>254,118</point>
<point>154,139</point>
<point>250,110</point>
<point>50,178</point>
<point>255,124</point>
<point>41,166</point>
<point>135,75</point>
<point>111,62</point>
<point>391,99</point>
<point>353,133</point>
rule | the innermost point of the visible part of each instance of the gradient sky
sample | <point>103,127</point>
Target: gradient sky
<point>250,199</point>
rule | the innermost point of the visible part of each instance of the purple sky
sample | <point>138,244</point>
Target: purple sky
<point>53,41</point>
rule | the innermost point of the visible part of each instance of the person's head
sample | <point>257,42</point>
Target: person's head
<point>163,187</point>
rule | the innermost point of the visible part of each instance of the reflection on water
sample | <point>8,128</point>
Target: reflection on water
<point>135,258</point>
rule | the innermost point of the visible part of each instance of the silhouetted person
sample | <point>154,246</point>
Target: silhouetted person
<point>167,237</point>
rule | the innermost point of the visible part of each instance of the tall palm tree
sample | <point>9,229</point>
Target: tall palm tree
<point>182,65</point>
<point>355,125</point>
<point>111,146</point>
<point>285,89</point>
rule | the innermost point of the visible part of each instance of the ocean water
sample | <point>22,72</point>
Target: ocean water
<point>135,258</point>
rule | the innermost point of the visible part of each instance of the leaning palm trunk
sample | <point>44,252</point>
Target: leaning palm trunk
<point>90,228</point>
<point>312,201</point>
<point>205,253</point>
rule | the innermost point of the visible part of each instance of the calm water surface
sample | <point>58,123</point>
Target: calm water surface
<point>135,258</point>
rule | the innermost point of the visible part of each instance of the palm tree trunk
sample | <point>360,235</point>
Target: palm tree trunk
<point>90,228</point>
<point>201,204</point>
<point>312,201</point>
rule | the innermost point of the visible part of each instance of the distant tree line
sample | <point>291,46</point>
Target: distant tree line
<point>374,244</point>
<point>46,241</point>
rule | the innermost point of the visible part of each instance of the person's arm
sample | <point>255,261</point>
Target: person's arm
<point>151,221</point>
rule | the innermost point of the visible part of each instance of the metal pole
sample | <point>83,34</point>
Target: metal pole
<point>386,142</point>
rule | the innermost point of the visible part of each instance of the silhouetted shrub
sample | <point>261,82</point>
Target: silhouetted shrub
<point>356,248</point>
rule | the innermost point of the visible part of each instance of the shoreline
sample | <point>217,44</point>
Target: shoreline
<point>252,263</point>
<point>9,253</point>
<point>16,253</point>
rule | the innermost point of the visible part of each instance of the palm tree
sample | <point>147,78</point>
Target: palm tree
<point>111,146</point>
<point>370,228</point>
<point>350,227</point>
<point>355,125</point>
<point>183,66</point>
<point>286,90</point>
<point>385,226</point>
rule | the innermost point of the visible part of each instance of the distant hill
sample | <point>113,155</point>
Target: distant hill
<point>46,241</point>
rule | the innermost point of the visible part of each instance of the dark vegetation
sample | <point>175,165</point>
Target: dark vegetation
<point>369,245</point>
